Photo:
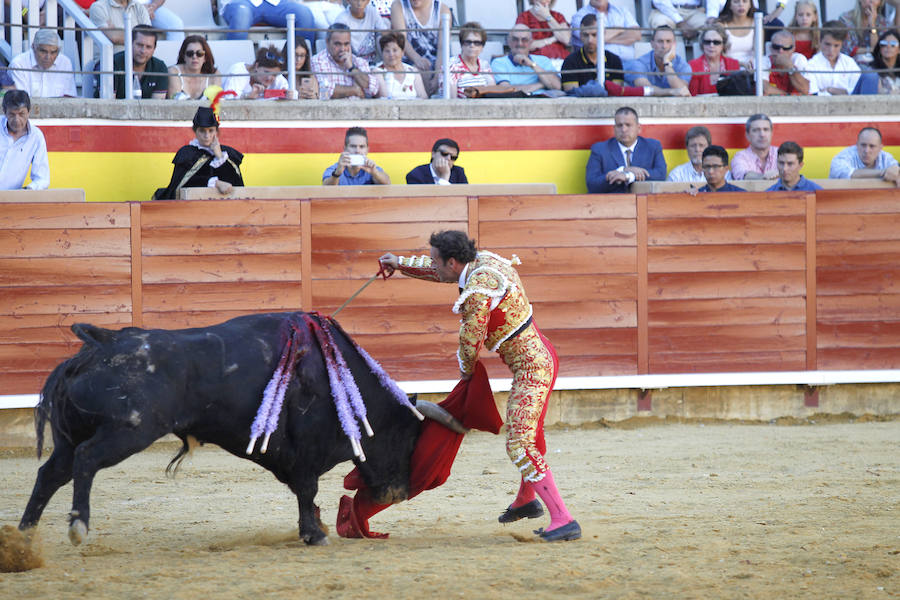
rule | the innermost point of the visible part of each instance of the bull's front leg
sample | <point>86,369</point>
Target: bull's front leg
<point>310,530</point>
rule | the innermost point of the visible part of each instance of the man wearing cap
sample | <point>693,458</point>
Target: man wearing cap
<point>204,162</point>
<point>43,71</point>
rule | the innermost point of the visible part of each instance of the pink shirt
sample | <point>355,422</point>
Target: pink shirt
<point>746,161</point>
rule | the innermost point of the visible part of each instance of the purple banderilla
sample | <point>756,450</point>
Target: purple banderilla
<point>348,401</point>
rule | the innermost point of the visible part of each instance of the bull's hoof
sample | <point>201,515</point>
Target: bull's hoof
<point>77,532</point>
<point>315,539</point>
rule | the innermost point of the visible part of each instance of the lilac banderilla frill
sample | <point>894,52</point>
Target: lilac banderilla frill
<point>348,401</point>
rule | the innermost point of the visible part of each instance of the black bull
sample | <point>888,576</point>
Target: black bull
<point>125,389</point>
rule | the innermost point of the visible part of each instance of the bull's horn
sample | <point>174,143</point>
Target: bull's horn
<point>439,414</point>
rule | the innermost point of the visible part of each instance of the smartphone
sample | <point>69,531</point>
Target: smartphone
<point>274,94</point>
<point>357,160</point>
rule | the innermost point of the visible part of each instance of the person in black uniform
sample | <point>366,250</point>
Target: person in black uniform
<point>204,162</point>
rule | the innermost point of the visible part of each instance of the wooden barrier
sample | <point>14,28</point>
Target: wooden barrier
<point>56,195</point>
<point>758,185</point>
<point>622,284</point>
<point>370,191</point>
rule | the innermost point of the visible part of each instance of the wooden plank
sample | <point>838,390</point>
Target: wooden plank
<point>406,369</point>
<point>685,206</point>
<point>274,296</point>
<point>765,284</point>
<point>875,227</point>
<point>860,280</point>
<point>35,357</point>
<point>54,328</point>
<point>473,219</point>
<point>29,382</point>
<point>563,288</point>
<point>727,311</point>
<point>384,237</point>
<point>328,294</point>
<point>220,213</point>
<point>64,271</point>
<point>547,208</point>
<point>337,264</point>
<point>858,254</point>
<point>857,307</point>
<point>306,269</point>
<point>883,334</point>
<point>728,257</point>
<point>600,232</point>
<point>643,348</point>
<point>222,268</point>
<point>315,192</point>
<point>50,195</point>
<point>388,210</point>
<point>185,241</point>
<point>46,243</point>
<point>600,341</point>
<point>811,289</point>
<point>744,230</point>
<point>859,358</point>
<point>726,362</point>
<point>729,338</point>
<point>52,300</point>
<point>847,202</point>
<point>191,319</point>
<point>550,315</point>
<point>91,215</point>
<point>137,266</point>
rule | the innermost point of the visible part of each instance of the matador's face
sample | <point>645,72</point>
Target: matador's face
<point>444,268</point>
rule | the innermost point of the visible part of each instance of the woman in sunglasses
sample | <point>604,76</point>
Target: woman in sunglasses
<point>195,70</point>
<point>713,64</point>
<point>468,69</point>
<point>885,62</point>
<point>550,35</point>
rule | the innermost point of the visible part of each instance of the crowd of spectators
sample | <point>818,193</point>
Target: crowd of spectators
<point>855,54</point>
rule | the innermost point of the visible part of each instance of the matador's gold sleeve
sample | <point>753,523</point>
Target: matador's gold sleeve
<point>476,311</point>
<point>419,267</point>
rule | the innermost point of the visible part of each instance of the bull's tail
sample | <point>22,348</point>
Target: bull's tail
<point>188,444</point>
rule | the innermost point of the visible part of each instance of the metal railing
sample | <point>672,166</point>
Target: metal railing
<point>74,21</point>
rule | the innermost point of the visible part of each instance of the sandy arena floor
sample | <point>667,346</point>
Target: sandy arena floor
<point>673,511</point>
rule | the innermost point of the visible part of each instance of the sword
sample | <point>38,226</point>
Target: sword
<point>381,272</point>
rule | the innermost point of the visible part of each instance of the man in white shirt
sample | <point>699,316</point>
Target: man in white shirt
<point>22,146</point>
<point>866,160</point>
<point>42,71</point>
<point>243,14</point>
<point>696,140</point>
<point>687,16</point>
<point>621,28</point>
<point>364,22</point>
<point>109,15</point>
<point>838,73</point>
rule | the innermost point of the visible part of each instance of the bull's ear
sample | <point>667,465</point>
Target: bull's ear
<point>92,334</point>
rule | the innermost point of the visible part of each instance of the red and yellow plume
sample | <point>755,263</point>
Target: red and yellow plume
<point>214,94</point>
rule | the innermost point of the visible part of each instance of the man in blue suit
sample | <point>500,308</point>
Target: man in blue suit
<point>620,161</point>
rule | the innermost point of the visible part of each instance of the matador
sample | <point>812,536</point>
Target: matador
<point>495,313</point>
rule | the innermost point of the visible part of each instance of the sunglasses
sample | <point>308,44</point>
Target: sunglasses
<point>472,43</point>
<point>779,48</point>
<point>274,56</point>
<point>891,43</point>
<point>193,53</point>
<point>448,155</point>
<point>712,42</point>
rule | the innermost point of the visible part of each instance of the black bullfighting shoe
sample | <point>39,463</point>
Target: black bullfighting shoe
<point>532,510</point>
<point>568,532</point>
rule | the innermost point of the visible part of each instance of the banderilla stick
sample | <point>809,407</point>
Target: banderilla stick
<point>381,272</point>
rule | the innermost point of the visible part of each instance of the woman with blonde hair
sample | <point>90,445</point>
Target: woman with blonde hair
<point>805,27</point>
<point>864,23</point>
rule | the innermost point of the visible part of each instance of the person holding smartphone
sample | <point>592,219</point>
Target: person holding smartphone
<point>354,167</point>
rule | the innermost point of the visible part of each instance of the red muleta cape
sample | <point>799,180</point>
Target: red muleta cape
<point>472,402</point>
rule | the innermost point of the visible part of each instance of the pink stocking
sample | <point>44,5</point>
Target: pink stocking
<point>546,489</point>
<point>525,495</point>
